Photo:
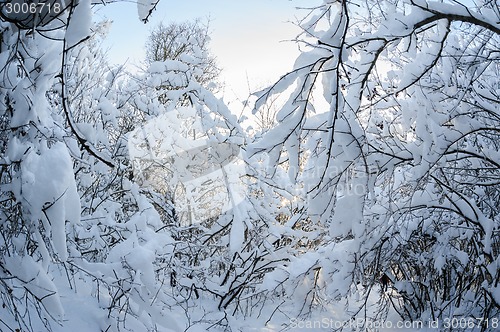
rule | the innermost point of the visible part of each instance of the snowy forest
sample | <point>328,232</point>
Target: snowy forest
<point>358,192</point>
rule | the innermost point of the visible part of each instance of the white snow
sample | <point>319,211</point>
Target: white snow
<point>144,8</point>
<point>286,226</point>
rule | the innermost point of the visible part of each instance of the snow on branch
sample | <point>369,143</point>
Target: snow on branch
<point>145,8</point>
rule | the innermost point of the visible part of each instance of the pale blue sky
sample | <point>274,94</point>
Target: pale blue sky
<point>246,35</point>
